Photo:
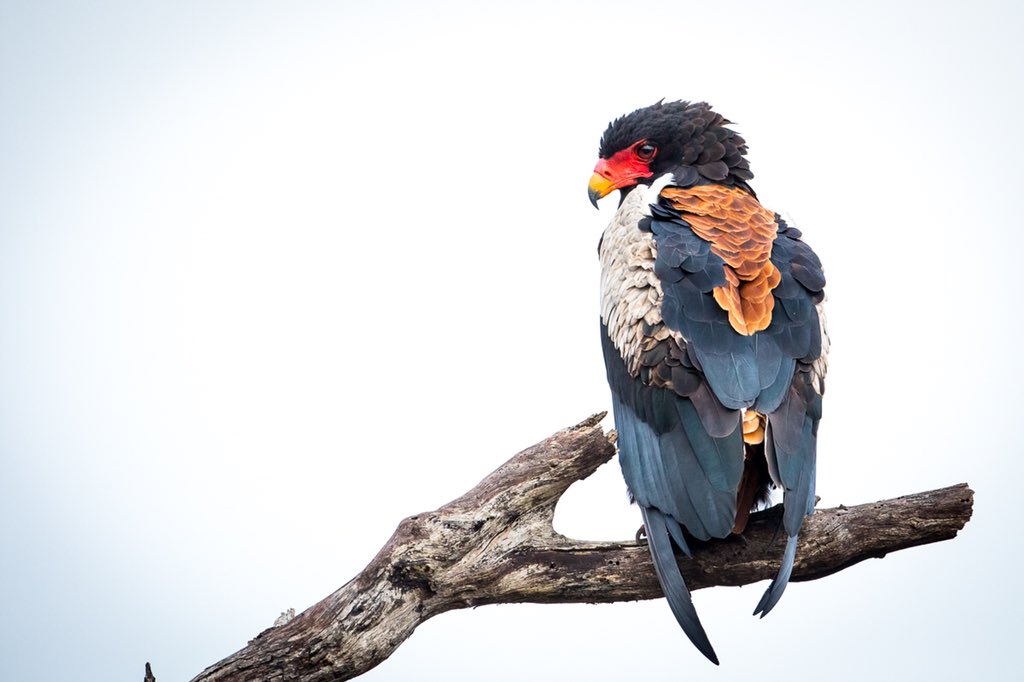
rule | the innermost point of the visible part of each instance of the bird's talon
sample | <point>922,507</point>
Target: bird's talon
<point>641,535</point>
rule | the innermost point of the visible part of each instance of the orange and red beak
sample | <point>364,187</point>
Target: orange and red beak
<point>602,182</point>
<point>623,169</point>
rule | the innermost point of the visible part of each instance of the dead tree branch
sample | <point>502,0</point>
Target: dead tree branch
<point>496,544</point>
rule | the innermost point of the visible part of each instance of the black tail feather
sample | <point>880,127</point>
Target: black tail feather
<point>665,566</point>
<point>778,585</point>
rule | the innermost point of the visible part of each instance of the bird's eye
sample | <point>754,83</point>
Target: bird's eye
<point>645,150</point>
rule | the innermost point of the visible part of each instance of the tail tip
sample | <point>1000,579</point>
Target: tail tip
<point>774,592</point>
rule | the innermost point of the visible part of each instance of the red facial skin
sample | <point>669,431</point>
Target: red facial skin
<point>623,169</point>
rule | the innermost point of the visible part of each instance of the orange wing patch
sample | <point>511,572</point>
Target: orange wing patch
<point>741,232</point>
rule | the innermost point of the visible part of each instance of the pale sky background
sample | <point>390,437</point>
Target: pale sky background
<point>275,275</point>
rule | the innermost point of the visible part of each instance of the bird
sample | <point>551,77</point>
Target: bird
<point>714,340</point>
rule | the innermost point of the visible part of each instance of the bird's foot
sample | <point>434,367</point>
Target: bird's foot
<point>641,535</point>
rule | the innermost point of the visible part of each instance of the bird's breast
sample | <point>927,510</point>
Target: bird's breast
<point>631,294</point>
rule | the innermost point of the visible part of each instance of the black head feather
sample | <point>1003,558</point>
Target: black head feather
<point>692,142</point>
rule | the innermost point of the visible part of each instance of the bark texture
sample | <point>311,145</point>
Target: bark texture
<point>496,544</point>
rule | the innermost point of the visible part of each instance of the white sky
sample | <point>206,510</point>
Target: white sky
<point>275,275</point>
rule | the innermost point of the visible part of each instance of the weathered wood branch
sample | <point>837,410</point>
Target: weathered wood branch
<point>496,544</point>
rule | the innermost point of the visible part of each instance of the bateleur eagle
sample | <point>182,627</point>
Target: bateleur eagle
<point>714,340</point>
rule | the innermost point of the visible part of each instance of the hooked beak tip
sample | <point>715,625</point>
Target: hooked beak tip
<point>601,185</point>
